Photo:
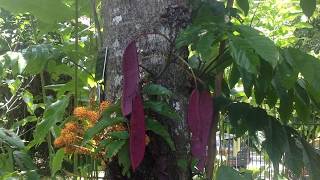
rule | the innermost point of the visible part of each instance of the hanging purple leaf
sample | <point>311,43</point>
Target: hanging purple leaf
<point>206,117</point>
<point>137,133</point>
<point>193,121</point>
<point>130,71</point>
<point>200,115</point>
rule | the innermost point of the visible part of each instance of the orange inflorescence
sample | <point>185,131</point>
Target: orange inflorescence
<point>71,126</point>
<point>71,135</point>
<point>92,116</point>
<point>104,105</point>
<point>58,142</point>
<point>80,112</point>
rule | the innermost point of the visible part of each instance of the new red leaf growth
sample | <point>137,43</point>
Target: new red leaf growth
<point>130,71</point>
<point>137,133</point>
<point>200,117</point>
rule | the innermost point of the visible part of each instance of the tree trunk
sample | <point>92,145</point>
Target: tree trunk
<point>124,21</point>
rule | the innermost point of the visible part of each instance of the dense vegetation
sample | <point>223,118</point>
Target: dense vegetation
<point>250,65</point>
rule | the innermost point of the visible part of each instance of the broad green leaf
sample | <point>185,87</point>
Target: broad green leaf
<point>38,56</point>
<point>163,109</point>
<point>286,105</point>
<point>261,44</point>
<point>159,129</point>
<point>25,163</point>
<point>311,159</point>
<point>49,12</point>
<point>272,97</point>
<point>308,6</point>
<point>10,138</point>
<point>293,157</point>
<point>119,135</point>
<point>308,66</point>
<point>205,46</point>
<point>103,123</point>
<point>57,161</point>
<point>243,55</point>
<point>234,76</point>
<point>114,147</point>
<point>228,173</point>
<point>244,5</point>
<point>52,115</point>
<point>303,110</point>
<point>124,159</point>
<point>275,146</point>
<point>13,61</point>
<point>262,83</point>
<point>187,36</point>
<point>247,81</point>
<point>156,89</point>
<point>285,75</point>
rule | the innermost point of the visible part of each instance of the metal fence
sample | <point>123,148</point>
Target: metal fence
<point>240,153</point>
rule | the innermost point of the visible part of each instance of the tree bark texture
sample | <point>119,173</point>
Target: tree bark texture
<point>124,21</point>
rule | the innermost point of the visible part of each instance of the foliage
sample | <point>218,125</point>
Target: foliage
<point>263,48</point>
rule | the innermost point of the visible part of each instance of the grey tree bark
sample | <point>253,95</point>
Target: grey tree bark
<point>125,20</point>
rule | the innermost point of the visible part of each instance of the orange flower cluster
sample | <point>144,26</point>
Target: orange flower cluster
<point>104,105</point>
<point>72,134</point>
<point>68,135</point>
<point>84,113</point>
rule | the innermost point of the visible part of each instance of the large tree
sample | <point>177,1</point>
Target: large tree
<point>147,22</point>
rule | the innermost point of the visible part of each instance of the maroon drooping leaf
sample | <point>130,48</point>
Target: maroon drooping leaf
<point>130,71</point>
<point>206,117</point>
<point>200,116</point>
<point>137,132</point>
<point>193,122</point>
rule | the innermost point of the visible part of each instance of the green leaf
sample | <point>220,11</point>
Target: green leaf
<point>247,81</point>
<point>308,6</point>
<point>205,46</point>
<point>156,89</point>
<point>286,105</point>
<point>261,44</point>
<point>244,5</point>
<point>308,66</point>
<point>57,161</point>
<point>25,163</point>
<point>162,108</point>
<point>124,159</point>
<point>285,75</point>
<point>228,173</point>
<point>187,36</point>
<point>303,109</point>
<point>103,123</point>
<point>275,146</point>
<point>159,129</point>
<point>119,135</point>
<point>47,11</point>
<point>38,56</point>
<point>234,76</point>
<point>10,138</point>
<point>272,97</point>
<point>52,115</point>
<point>14,61</point>
<point>114,147</point>
<point>293,157</point>
<point>243,55</point>
<point>311,159</point>
<point>262,83</point>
